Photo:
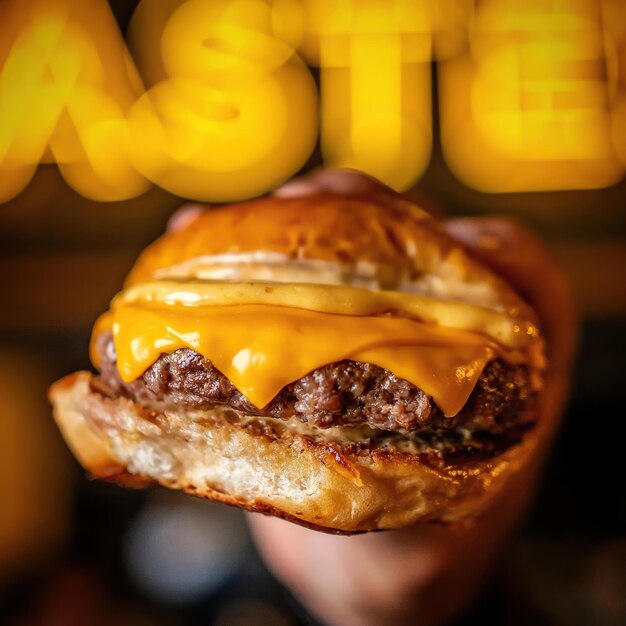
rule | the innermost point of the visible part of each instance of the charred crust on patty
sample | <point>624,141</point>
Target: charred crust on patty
<point>339,394</point>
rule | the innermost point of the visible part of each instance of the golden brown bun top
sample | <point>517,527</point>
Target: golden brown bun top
<point>397,244</point>
<point>322,227</point>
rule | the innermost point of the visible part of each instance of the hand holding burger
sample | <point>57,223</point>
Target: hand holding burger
<point>428,573</point>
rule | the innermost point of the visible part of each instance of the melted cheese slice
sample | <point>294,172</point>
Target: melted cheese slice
<point>262,348</point>
<point>506,327</point>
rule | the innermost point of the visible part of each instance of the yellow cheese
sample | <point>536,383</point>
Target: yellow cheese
<point>506,327</point>
<point>261,348</point>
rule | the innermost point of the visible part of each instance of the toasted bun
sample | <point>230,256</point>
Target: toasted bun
<point>342,240</point>
<point>271,469</point>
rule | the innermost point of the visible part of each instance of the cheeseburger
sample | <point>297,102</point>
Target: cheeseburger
<point>332,360</point>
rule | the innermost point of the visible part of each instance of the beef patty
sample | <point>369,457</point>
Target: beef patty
<point>342,393</point>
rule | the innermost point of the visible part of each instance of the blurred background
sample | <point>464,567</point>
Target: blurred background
<point>505,107</point>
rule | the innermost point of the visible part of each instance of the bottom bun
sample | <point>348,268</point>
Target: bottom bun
<point>273,467</point>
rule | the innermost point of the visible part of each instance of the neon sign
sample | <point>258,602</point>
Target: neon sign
<point>528,105</point>
<point>215,100</point>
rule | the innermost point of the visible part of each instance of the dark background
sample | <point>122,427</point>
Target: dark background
<point>92,553</point>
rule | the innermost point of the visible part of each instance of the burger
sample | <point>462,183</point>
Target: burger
<point>334,360</point>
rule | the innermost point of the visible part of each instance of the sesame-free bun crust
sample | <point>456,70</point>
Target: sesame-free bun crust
<point>398,245</point>
<point>270,468</point>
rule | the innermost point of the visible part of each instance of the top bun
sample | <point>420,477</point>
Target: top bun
<point>344,240</point>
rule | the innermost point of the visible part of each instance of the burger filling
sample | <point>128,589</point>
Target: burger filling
<point>346,393</point>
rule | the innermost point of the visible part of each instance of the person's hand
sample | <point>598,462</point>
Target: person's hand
<point>427,573</point>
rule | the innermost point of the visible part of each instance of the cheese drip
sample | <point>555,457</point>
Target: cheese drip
<point>262,348</point>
